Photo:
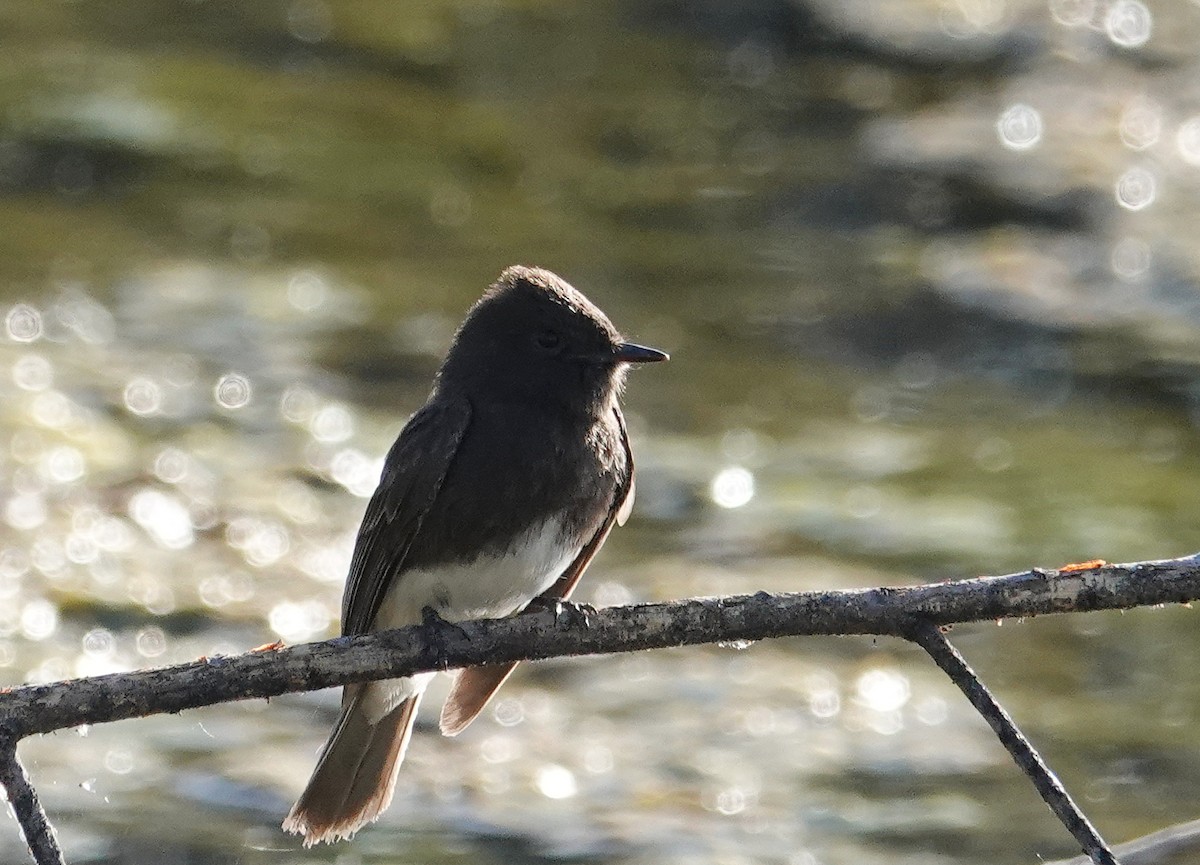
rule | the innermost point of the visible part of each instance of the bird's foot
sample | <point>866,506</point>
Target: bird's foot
<point>566,613</point>
<point>435,627</point>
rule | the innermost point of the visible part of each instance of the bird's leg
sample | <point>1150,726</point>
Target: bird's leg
<point>566,612</point>
<point>436,635</point>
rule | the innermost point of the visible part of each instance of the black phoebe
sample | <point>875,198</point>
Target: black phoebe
<point>498,491</point>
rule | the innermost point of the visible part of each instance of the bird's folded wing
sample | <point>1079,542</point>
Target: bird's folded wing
<point>412,476</point>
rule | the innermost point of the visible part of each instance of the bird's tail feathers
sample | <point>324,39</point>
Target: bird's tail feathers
<point>470,693</point>
<point>356,774</point>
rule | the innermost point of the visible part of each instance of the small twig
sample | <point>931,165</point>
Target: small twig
<point>35,825</point>
<point>930,638</point>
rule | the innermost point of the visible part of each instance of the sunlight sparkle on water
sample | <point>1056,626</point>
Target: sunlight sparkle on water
<point>53,410</point>
<point>1131,258</point>
<point>964,20</point>
<point>109,533</point>
<point>99,642</point>
<point>499,749</point>
<point>1136,189</point>
<point>298,404</point>
<point>727,801</point>
<point>80,549</point>
<point>143,396</point>
<point>1073,13</point>
<point>1187,141</point>
<point>509,712</point>
<point>298,503</point>
<point>294,621</point>
<point>48,557</point>
<point>39,619</point>
<point>232,391</point>
<point>1141,124</point>
<point>151,642</point>
<point>162,517</point>
<point>62,465</point>
<point>1128,23</point>
<point>556,782</point>
<point>883,690</point>
<point>262,542</point>
<point>32,372</point>
<point>307,291</point>
<point>23,323</point>
<point>1020,127</point>
<point>356,471</point>
<point>333,423</point>
<point>14,564</point>
<point>171,465</point>
<point>824,703</point>
<point>118,761</point>
<point>25,511</point>
<point>598,759</point>
<point>326,563</point>
<point>744,446</point>
<point>732,487</point>
<point>227,588</point>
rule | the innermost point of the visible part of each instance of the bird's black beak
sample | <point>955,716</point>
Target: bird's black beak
<point>627,352</point>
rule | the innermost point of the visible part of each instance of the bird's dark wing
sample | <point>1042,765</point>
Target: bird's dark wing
<point>412,476</point>
<point>475,686</point>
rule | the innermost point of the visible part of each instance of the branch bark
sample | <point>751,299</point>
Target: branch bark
<point>35,825</point>
<point>546,634</point>
<point>543,634</point>
<point>930,638</point>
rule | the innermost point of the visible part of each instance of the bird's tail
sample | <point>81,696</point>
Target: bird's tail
<point>472,689</point>
<point>356,774</point>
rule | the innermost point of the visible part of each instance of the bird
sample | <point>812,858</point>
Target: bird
<point>497,494</point>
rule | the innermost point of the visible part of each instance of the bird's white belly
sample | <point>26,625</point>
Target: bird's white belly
<point>487,588</point>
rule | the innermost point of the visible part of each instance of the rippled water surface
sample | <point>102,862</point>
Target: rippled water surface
<point>928,276</point>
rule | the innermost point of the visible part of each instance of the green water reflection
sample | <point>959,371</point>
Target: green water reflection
<point>237,239</point>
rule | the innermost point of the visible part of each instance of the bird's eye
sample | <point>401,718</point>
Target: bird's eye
<point>548,341</point>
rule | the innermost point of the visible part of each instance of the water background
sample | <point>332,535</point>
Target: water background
<point>928,273</point>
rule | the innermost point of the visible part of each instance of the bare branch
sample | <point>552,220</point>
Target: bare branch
<point>931,639</point>
<point>547,634</point>
<point>39,834</point>
<point>885,611</point>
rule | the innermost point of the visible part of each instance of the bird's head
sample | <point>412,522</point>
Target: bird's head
<point>534,337</point>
